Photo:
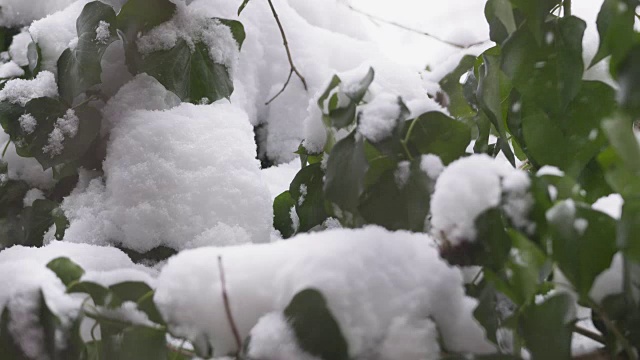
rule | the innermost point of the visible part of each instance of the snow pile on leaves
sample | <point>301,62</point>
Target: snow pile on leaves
<point>378,285</point>
<point>179,178</point>
<point>470,186</point>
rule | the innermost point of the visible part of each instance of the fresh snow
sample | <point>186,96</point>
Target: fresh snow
<point>355,270</point>
<point>31,196</point>
<point>19,91</point>
<point>379,117</point>
<point>102,32</point>
<point>27,123</point>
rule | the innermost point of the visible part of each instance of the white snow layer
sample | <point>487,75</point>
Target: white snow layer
<point>181,178</point>
<point>355,270</point>
<point>472,185</point>
<point>379,117</point>
<point>16,13</point>
<point>19,91</point>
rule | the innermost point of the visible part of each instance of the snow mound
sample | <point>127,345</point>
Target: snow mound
<point>179,178</point>
<point>355,270</point>
<point>472,185</point>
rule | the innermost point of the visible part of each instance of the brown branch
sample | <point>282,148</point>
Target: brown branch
<point>375,18</point>
<point>281,90</point>
<point>286,47</point>
<point>227,307</point>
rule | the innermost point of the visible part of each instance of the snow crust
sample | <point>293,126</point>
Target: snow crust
<point>470,186</point>
<point>354,269</point>
<point>180,178</point>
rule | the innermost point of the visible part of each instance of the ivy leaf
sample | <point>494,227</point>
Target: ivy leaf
<point>436,133</point>
<point>615,27</point>
<point>98,293</point>
<point>535,13</point>
<point>356,93</point>
<point>628,76</point>
<point>343,116</point>
<point>80,69</point>
<point>628,228</point>
<point>499,15</point>
<point>36,220</point>
<point>450,84</point>
<point>143,343</point>
<point>547,328</point>
<point>306,191</point>
<point>316,329</point>
<point>584,242</point>
<point>282,207</point>
<point>548,72</point>
<point>344,189</point>
<point>237,30</point>
<point>242,6</point>
<point>493,88</point>
<point>620,161</point>
<point>192,76</point>
<point>11,196</point>
<point>66,270</point>
<point>140,16</point>
<point>47,111</point>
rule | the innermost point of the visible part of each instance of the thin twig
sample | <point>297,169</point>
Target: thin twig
<point>227,307</point>
<point>404,27</point>
<point>180,350</point>
<point>590,334</point>
<point>286,47</point>
<point>281,90</point>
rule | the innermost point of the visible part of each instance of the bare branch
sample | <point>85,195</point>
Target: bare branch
<point>376,19</point>
<point>227,307</point>
<point>286,46</point>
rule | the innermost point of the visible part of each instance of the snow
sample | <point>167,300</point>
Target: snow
<point>401,174</point>
<point>180,178</point>
<point>610,205</point>
<point>193,26</point>
<point>355,270</point>
<point>431,165</point>
<point>549,170</point>
<point>19,48</point>
<point>102,32</point>
<point>27,123</point>
<point>470,186</point>
<point>16,13</point>
<point>10,70</point>
<point>19,91</point>
<point>273,338</point>
<point>65,127</point>
<point>31,196</point>
<point>279,177</point>
<point>379,117</point>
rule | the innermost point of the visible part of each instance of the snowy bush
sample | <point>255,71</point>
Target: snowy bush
<point>486,208</point>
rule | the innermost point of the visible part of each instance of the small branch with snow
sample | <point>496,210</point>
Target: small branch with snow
<point>293,68</point>
<point>375,18</point>
<point>227,307</point>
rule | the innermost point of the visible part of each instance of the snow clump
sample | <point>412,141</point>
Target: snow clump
<point>19,91</point>
<point>379,117</point>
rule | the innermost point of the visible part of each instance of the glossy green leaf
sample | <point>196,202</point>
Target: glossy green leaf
<point>193,76</point>
<point>547,328</point>
<point>242,6</point>
<point>143,343</point>
<point>316,329</point>
<point>436,133</point>
<point>79,69</point>
<point>36,220</point>
<point>525,266</point>
<point>628,76</point>
<point>499,15</point>
<point>549,73</point>
<point>344,189</point>
<point>450,84</point>
<point>140,16</point>
<point>283,205</point>
<point>357,91</point>
<point>584,242</point>
<point>535,12</point>
<point>306,191</point>
<point>615,27</point>
<point>66,270</point>
<point>629,228</point>
<point>98,293</point>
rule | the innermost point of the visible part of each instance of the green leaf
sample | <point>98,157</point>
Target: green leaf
<point>584,242</point>
<point>450,84</point>
<point>549,73</point>
<point>140,16</point>
<point>143,343</point>
<point>499,15</point>
<point>487,312</point>
<point>617,128</point>
<point>493,88</point>
<point>11,196</point>
<point>335,81</point>
<point>622,179</point>
<point>36,220</point>
<point>629,228</point>
<point>193,76</point>
<point>79,69</point>
<point>628,76</point>
<point>526,266</point>
<point>242,6</point>
<point>341,187</point>
<point>547,328</point>
<point>282,207</point>
<point>535,12</point>
<point>66,270</point>
<point>237,30</point>
<point>47,111</point>
<point>356,93</point>
<point>98,293</point>
<point>61,222</point>
<point>316,329</point>
<point>436,133</point>
<point>306,191</point>
<point>615,27</point>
